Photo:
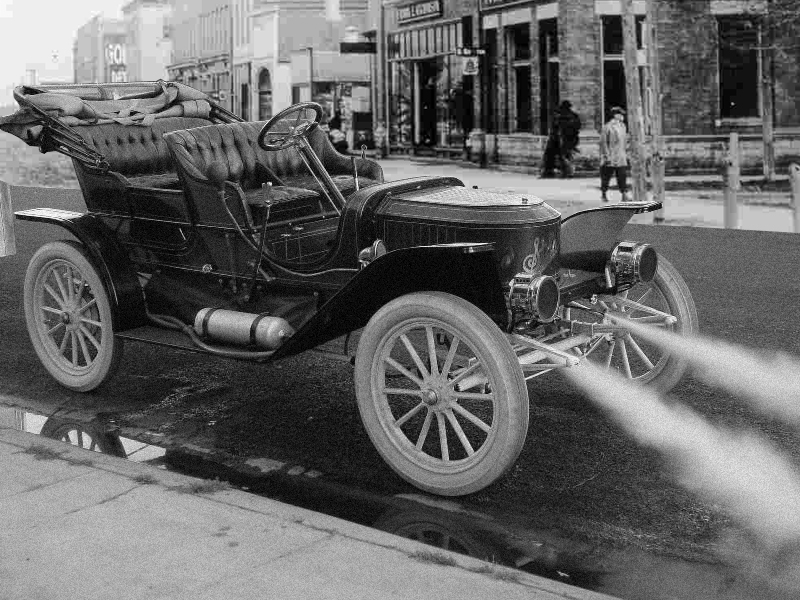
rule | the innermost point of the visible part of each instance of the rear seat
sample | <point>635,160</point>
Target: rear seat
<point>136,152</point>
<point>235,146</point>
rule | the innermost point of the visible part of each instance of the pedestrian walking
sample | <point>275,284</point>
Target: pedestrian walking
<point>613,154</point>
<point>552,151</point>
<point>568,127</point>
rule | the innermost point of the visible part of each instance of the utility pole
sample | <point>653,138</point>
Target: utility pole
<point>635,117</point>
<point>766,72</point>
<point>483,83</point>
<point>656,116</point>
<point>230,61</point>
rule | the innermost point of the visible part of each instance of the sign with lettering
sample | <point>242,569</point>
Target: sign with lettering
<point>115,54</point>
<point>419,10</point>
<point>119,75</point>
<point>498,3</point>
<point>470,65</point>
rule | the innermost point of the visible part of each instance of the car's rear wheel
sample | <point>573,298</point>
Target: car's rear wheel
<point>441,393</point>
<point>644,303</point>
<point>69,317</point>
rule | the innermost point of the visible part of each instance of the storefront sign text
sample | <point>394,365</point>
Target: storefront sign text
<point>419,10</point>
<point>495,3</point>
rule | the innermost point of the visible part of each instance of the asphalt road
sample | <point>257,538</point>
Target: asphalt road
<point>579,478</point>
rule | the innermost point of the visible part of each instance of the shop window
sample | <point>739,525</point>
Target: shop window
<point>738,68</point>
<point>431,102</point>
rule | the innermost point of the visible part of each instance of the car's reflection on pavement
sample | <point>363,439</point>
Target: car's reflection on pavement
<point>96,435</point>
<point>402,516</point>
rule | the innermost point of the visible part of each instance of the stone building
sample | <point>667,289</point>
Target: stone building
<point>539,53</point>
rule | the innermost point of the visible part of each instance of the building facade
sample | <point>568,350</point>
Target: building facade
<point>201,47</point>
<point>283,51</point>
<point>100,51</point>
<point>149,46</point>
<point>714,63</point>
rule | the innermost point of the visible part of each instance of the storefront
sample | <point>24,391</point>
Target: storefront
<point>340,84</point>
<point>430,96</point>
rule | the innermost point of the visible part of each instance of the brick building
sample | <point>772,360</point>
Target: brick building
<point>537,53</point>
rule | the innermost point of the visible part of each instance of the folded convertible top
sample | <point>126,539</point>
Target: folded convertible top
<point>48,113</point>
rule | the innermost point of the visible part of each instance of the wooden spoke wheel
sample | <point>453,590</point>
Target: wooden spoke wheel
<point>69,317</point>
<point>441,393</point>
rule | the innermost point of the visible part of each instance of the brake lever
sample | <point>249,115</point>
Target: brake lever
<point>355,171</point>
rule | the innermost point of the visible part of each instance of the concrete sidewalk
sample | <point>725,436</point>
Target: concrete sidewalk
<point>702,207</point>
<point>85,525</point>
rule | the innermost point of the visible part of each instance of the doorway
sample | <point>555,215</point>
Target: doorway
<point>425,122</point>
<point>549,73</point>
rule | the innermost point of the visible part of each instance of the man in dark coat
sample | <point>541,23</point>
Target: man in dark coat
<point>568,126</point>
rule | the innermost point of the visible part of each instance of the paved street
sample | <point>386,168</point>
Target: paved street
<point>571,483</point>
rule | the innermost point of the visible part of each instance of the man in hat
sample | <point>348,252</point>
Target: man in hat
<point>613,154</point>
<point>569,126</point>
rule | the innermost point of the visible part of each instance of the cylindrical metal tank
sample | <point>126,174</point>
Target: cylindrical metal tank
<point>242,329</point>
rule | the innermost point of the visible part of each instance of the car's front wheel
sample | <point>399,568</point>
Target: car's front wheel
<point>69,317</point>
<point>441,393</point>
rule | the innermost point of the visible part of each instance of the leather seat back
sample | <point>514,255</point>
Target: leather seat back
<point>235,146</point>
<point>133,149</point>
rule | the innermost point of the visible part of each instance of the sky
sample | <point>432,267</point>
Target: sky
<point>38,34</point>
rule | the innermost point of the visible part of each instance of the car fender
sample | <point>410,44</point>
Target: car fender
<point>107,255</point>
<point>589,236</point>
<point>465,270</point>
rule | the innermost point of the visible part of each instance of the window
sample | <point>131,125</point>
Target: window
<point>738,68</point>
<point>614,85</point>
<point>549,69</point>
<point>612,34</point>
<point>518,39</point>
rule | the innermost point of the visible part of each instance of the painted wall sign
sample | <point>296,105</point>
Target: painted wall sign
<point>486,4</point>
<point>419,10</point>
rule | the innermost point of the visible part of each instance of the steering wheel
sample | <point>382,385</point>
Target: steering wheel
<point>283,130</point>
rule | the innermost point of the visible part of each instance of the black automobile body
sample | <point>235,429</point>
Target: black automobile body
<point>257,241</point>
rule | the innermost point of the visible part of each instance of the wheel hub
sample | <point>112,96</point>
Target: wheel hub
<point>430,397</point>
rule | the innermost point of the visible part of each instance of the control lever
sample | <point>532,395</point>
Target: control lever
<point>355,171</point>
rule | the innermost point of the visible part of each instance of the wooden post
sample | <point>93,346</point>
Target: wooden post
<point>7,244</point>
<point>794,178</point>
<point>767,106</point>
<point>656,119</point>
<point>731,207</point>
<point>633,94</point>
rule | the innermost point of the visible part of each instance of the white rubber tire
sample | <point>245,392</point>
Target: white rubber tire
<point>69,317</point>
<point>431,322</point>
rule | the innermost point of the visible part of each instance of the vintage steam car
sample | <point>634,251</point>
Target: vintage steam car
<point>257,241</point>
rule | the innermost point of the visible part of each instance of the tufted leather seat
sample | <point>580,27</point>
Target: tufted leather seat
<point>139,153</point>
<point>235,146</point>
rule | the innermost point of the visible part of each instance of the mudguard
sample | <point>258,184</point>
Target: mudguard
<point>589,236</point>
<point>465,270</point>
<point>107,255</point>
